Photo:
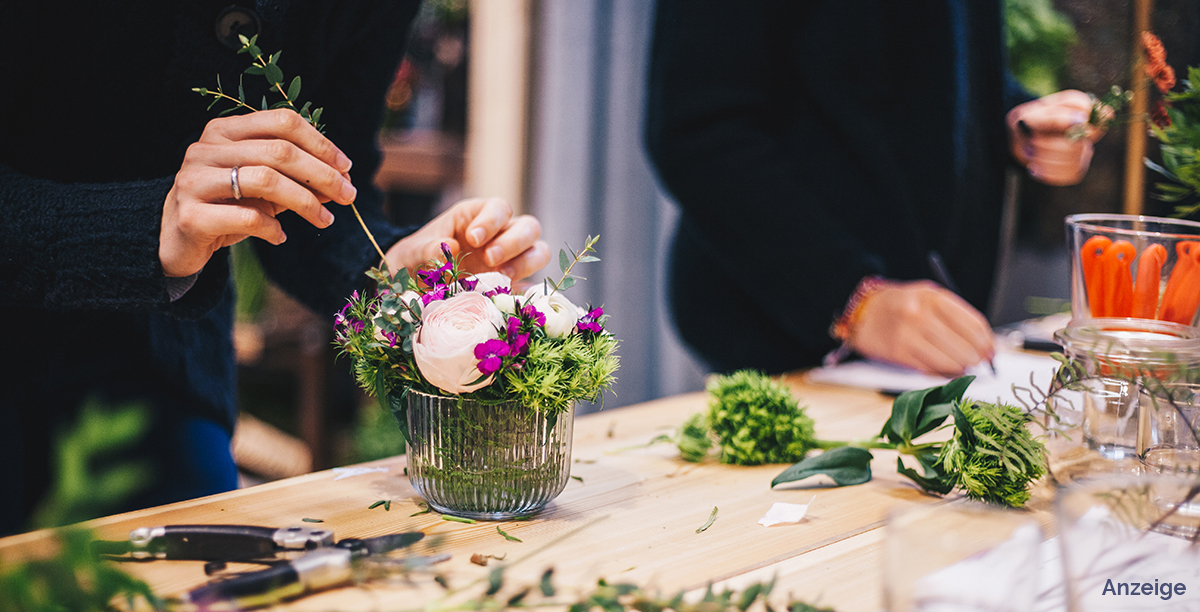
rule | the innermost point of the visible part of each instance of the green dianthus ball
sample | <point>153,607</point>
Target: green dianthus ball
<point>756,420</point>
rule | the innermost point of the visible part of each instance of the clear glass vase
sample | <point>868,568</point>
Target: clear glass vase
<point>486,461</point>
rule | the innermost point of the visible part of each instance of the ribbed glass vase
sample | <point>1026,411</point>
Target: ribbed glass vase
<point>486,461</point>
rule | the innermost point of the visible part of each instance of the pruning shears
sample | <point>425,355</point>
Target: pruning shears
<point>300,560</point>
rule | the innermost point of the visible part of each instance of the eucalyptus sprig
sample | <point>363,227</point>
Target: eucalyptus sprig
<point>567,264</point>
<point>268,68</point>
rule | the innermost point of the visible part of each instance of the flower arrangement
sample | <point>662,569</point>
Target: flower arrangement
<point>446,332</point>
<point>449,333</point>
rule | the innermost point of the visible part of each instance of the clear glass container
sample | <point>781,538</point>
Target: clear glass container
<point>486,461</point>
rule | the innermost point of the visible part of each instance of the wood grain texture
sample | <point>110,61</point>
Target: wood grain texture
<point>632,518</point>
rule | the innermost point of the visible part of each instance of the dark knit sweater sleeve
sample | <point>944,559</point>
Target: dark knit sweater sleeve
<point>90,246</point>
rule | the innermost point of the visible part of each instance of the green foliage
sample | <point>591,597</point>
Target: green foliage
<point>846,465</point>
<point>74,580</point>
<point>756,420</point>
<point>1038,38</point>
<point>693,438</point>
<point>560,372</point>
<point>374,436</point>
<point>268,68</point>
<point>993,457</point>
<point>250,280</point>
<point>624,597</point>
<point>1178,143</point>
<point>86,484</point>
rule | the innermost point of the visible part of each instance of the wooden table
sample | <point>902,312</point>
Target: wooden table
<point>631,516</point>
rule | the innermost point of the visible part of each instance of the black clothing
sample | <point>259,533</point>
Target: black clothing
<point>98,111</point>
<point>812,144</point>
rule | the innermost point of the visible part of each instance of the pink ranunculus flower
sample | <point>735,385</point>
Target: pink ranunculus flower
<point>444,347</point>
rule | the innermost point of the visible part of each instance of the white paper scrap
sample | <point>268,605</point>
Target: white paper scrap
<point>782,512</point>
<point>346,472</point>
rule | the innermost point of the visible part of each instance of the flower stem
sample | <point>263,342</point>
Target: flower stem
<point>829,444</point>
<point>370,236</point>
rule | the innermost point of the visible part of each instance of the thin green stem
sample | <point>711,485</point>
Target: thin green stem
<point>830,444</point>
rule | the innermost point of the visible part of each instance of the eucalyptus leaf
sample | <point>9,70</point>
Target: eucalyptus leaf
<point>253,70</point>
<point>846,465</point>
<point>564,262</point>
<point>293,91</point>
<point>567,283</point>
<point>273,74</point>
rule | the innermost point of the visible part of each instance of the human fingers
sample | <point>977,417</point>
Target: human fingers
<point>478,220</point>
<point>965,322</point>
<point>518,236</point>
<point>1059,161</point>
<point>214,184</point>
<point>282,124</point>
<point>528,262</point>
<point>288,159</point>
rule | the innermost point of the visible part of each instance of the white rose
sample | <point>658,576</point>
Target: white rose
<point>505,302</point>
<point>490,281</point>
<point>444,347</point>
<point>561,314</point>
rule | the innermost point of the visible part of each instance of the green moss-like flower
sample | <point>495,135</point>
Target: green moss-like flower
<point>993,456</point>
<point>756,420</point>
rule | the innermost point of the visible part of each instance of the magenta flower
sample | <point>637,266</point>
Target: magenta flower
<point>432,278</point>
<point>437,293</point>
<point>519,344</point>
<point>446,252</point>
<point>533,315</point>
<point>496,291</point>
<point>590,322</point>
<point>469,285</point>
<point>491,355</point>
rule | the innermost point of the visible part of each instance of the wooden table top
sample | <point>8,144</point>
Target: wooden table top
<point>631,516</point>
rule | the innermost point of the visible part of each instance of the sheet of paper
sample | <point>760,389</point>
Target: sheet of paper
<point>1012,368</point>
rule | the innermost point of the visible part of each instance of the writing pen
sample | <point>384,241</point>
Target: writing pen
<point>942,275</point>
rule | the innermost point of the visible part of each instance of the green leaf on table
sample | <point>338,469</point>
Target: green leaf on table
<point>846,465</point>
<point>941,484</point>
<point>506,536</point>
<point>495,580</point>
<point>547,585</point>
<point>918,412</point>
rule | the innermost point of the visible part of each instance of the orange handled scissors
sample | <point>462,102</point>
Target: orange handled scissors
<point>1149,278</point>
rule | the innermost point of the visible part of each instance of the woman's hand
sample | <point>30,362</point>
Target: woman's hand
<point>484,228</point>
<point>283,164</point>
<point>1038,133</point>
<point>924,326</point>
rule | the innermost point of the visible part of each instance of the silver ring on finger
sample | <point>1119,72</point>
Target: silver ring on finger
<point>233,180</point>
